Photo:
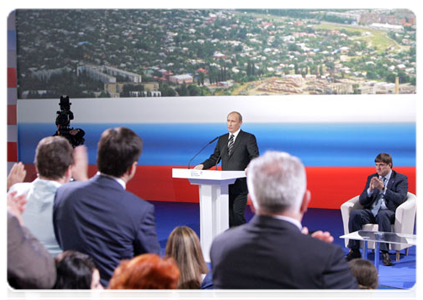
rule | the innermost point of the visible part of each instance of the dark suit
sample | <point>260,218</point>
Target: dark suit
<point>244,150</point>
<point>268,253</point>
<point>98,217</point>
<point>29,265</point>
<point>396,194</point>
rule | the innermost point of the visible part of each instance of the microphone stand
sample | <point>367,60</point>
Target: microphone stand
<point>189,163</point>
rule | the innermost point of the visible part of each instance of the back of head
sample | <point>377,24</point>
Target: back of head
<point>184,246</point>
<point>118,149</point>
<point>74,270</point>
<point>276,182</point>
<point>146,271</point>
<point>53,156</point>
<point>365,272</point>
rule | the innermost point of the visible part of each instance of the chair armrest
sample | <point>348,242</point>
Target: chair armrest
<point>405,215</point>
<point>348,206</point>
<point>346,209</point>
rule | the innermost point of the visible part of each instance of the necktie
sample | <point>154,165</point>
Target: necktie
<point>230,144</point>
<point>379,201</point>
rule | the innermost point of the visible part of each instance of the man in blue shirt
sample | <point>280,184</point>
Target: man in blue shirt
<point>54,163</point>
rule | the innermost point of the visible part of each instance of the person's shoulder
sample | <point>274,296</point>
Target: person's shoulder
<point>251,137</point>
<point>21,188</point>
<point>223,136</point>
<point>246,133</point>
<point>10,219</point>
<point>74,184</point>
<point>318,246</point>
<point>399,175</point>
<point>135,200</point>
<point>72,187</point>
<point>372,175</point>
<point>231,234</point>
<point>247,136</point>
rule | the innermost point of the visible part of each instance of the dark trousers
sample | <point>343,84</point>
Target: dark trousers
<point>237,203</point>
<point>359,217</point>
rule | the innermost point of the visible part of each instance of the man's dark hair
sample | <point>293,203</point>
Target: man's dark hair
<point>53,156</point>
<point>118,149</point>
<point>385,158</point>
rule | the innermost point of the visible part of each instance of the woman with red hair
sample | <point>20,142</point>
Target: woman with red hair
<point>146,271</point>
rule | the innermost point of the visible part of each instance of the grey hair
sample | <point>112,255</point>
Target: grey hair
<point>276,182</point>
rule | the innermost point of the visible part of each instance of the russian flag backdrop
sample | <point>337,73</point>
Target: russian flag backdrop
<point>336,137</point>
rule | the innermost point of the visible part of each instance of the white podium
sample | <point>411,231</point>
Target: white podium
<point>214,201</point>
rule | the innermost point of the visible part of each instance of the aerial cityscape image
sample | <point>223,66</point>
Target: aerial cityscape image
<point>99,53</point>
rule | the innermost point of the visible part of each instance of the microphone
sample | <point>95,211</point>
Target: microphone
<point>220,155</point>
<point>189,163</point>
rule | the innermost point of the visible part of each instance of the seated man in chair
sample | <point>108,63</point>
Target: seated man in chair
<point>384,192</point>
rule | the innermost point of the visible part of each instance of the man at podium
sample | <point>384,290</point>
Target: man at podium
<point>236,149</point>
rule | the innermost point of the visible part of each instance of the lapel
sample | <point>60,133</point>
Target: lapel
<point>237,142</point>
<point>391,181</point>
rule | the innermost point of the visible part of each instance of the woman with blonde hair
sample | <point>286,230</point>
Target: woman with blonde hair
<point>146,271</point>
<point>183,245</point>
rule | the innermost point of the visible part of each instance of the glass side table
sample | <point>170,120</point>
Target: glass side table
<point>380,237</point>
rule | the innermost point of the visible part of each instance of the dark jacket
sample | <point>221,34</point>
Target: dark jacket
<point>269,253</point>
<point>99,218</point>
<point>396,191</point>
<point>244,150</point>
<point>29,264</point>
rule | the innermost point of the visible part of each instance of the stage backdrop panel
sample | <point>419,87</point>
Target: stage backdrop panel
<point>336,137</point>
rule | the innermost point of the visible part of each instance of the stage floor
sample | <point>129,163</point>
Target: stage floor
<point>403,276</point>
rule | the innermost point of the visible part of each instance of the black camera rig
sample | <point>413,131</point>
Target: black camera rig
<point>64,116</point>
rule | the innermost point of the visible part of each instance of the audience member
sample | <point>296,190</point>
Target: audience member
<point>365,272</point>
<point>53,163</point>
<point>184,246</point>
<point>16,175</point>
<point>383,193</point>
<point>76,270</point>
<point>146,271</point>
<point>29,265</point>
<point>271,252</point>
<point>99,217</point>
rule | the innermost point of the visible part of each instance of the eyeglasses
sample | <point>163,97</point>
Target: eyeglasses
<point>173,295</point>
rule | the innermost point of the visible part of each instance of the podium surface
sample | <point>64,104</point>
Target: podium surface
<point>214,201</point>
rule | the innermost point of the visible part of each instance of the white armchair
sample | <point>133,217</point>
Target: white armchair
<point>405,216</point>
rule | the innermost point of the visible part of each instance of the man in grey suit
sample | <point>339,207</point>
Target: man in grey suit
<point>236,149</point>
<point>271,251</point>
<point>99,217</point>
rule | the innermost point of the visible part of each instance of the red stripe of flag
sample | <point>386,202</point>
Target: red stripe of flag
<point>12,151</point>
<point>11,115</point>
<point>11,78</point>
